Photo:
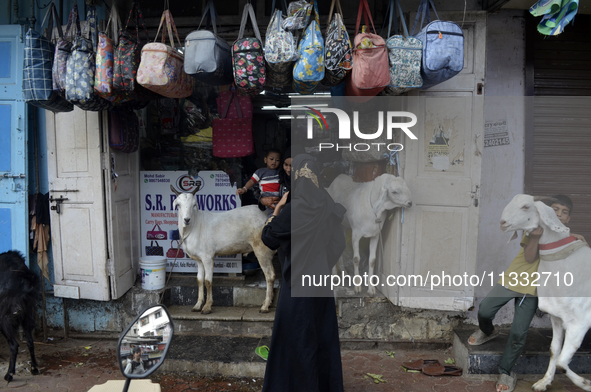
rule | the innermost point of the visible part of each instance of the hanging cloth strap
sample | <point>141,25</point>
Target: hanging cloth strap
<point>73,18</point>
<point>394,20</point>
<point>363,6</point>
<point>209,12</point>
<point>423,12</point>
<point>170,26</point>
<point>139,19</point>
<point>338,10</point>
<point>234,98</point>
<point>54,17</point>
<point>249,11</point>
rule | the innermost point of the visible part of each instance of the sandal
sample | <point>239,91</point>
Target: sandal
<point>442,370</point>
<point>510,381</point>
<point>481,338</point>
<point>419,364</point>
<point>262,351</point>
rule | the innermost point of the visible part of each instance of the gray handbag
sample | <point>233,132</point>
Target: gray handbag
<point>208,58</point>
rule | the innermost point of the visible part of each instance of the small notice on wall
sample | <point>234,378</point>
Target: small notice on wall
<point>159,226</point>
<point>496,133</point>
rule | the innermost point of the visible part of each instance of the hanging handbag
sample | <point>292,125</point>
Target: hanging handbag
<point>208,57</point>
<point>280,52</point>
<point>308,71</point>
<point>298,15</point>
<point>103,79</point>
<point>443,47</point>
<point>124,133</point>
<point>370,73</point>
<point>173,252</point>
<point>232,132</point>
<point>63,48</point>
<point>156,234</point>
<point>248,57</point>
<point>81,70</point>
<point>156,250</point>
<point>405,54</point>
<point>339,56</point>
<point>38,62</point>
<point>161,68</point>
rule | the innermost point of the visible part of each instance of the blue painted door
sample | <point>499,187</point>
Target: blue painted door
<point>13,142</point>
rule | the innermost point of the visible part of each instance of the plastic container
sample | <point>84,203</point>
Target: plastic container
<point>153,271</point>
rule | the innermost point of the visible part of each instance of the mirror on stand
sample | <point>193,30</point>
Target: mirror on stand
<point>144,344</point>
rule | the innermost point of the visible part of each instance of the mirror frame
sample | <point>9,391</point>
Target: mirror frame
<point>156,366</point>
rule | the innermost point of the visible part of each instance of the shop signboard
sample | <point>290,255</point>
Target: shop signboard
<point>159,222</point>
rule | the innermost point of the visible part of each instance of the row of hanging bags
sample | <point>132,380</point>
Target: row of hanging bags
<point>161,67</point>
<point>81,69</point>
<point>280,51</point>
<point>63,48</point>
<point>248,57</point>
<point>443,47</point>
<point>370,73</point>
<point>308,70</point>
<point>37,68</point>
<point>208,57</point>
<point>338,51</point>
<point>404,53</point>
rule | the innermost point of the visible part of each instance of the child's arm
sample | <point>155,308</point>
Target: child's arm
<point>531,249</point>
<point>580,237</point>
<point>248,185</point>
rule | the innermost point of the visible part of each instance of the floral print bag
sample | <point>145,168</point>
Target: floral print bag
<point>248,58</point>
<point>405,54</point>
<point>63,48</point>
<point>280,53</point>
<point>81,69</point>
<point>308,71</point>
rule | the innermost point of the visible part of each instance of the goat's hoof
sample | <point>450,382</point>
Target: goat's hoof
<point>540,386</point>
<point>206,311</point>
<point>371,291</point>
<point>8,377</point>
<point>35,371</point>
<point>357,289</point>
<point>196,308</point>
<point>264,311</point>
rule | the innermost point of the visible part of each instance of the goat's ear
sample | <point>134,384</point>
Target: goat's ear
<point>546,199</point>
<point>548,216</point>
<point>174,190</point>
<point>514,236</point>
<point>175,203</point>
<point>382,196</point>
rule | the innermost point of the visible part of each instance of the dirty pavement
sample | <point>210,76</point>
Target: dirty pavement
<point>78,364</point>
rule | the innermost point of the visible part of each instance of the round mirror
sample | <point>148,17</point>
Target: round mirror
<point>144,344</point>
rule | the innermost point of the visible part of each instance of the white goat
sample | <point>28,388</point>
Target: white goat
<point>367,204</point>
<point>207,234</point>
<point>569,306</point>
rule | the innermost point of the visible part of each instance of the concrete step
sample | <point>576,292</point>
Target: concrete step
<point>215,356</point>
<point>227,321</point>
<point>240,290</point>
<point>485,359</point>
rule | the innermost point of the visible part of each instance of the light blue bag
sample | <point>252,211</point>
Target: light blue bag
<point>404,54</point>
<point>308,71</point>
<point>443,47</point>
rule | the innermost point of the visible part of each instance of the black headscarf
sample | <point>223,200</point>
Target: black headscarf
<point>284,178</point>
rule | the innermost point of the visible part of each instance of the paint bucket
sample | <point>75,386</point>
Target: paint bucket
<point>153,271</point>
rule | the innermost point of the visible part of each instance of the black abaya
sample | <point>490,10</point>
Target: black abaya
<point>304,355</point>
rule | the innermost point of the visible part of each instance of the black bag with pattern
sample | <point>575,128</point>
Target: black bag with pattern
<point>152,250</point>
<point>128,53</point>
<point>63,48</point>
<point>338,53</point>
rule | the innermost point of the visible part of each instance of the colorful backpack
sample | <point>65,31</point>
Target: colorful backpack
<point>248,57</point>
<point>309,69</point>
<point>280,52</point>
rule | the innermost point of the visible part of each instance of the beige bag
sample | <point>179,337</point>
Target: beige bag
<point>161,68</point>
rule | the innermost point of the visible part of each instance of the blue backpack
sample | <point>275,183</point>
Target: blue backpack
<point>443,47</point>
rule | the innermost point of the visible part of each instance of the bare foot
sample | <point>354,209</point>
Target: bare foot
<point>502,387</point>
<point>472,340</point>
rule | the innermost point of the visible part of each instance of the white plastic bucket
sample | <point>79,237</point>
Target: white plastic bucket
<point>153,271</point>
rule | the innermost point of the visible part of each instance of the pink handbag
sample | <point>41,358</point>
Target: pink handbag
<point>371,70</point>
<point>232,132</point>
<point>162,67</point>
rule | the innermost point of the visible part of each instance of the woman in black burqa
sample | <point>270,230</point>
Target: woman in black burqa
<point>305,352</point>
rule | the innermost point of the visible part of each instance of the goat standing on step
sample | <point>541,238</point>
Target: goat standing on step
<point>19,290</point>
<point>205,235</point>
<point>563,258</point>
<point>367,206</point>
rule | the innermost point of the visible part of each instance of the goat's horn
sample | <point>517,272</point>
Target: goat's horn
<point>195,190</point>
<point>174,190</point>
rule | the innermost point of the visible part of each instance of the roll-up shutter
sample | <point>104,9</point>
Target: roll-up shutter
<point>558,158</point>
